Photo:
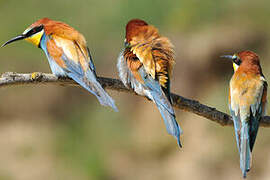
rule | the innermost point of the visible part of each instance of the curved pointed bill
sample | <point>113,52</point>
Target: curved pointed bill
<point>32,34</point>
<point>234,60</point>
<point>17,38</point>
<point>227,56</point>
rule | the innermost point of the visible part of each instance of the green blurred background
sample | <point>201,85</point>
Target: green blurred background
<point>54,132</point>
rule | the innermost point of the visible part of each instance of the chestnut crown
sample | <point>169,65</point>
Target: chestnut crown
<point>134,27</point>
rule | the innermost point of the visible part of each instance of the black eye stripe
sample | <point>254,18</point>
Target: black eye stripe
<point>39,28</point>
<point>237,61</point>
<point>34,30</point>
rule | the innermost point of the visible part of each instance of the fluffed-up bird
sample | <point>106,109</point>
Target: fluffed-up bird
<point>145,66</point>
<point>247,102</point>
<point>67,53</point>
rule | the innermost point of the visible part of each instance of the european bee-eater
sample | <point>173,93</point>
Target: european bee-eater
<point>247,102</point>
<point>145,66</point>
<point>67,53</point>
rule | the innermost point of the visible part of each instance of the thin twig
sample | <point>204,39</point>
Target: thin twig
<point>179,102</point>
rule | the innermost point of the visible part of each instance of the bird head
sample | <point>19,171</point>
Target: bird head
<point>48,27</point>
<point>133,28</point>
<point>236,60</point>
<point>32,34</point>
<point>247,60</point>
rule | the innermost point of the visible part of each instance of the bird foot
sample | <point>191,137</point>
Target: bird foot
<point>36,76</point>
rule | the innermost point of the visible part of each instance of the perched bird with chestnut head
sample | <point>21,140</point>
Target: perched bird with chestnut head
<point>67,53</point>
<point>247,102</point>
<point>145,65</point>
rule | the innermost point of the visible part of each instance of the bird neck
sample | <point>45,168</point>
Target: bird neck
<point>43,43</point>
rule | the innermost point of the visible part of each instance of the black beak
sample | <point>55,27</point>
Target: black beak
<point>20,37</point>
<point>227,56</point>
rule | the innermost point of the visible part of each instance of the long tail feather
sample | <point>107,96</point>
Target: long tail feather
<point>167,114</point>
<point>155,93</point>
<point>245,153</point>
<point>90,83</point>
<point>88,80</point>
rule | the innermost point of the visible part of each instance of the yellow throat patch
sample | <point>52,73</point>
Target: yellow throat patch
<point>235,67</point>
<point>35,38</point>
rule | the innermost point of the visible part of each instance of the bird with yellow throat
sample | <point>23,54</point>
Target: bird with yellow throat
<point>247,102</point>
<point>67,53</point>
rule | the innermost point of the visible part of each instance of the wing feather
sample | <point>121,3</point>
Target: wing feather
<point>155,53</point>
<point>247,103</point>
<point>257,111</point>
<point>74,51</point>
<point>144,53</point>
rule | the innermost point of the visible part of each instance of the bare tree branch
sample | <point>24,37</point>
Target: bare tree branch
<point>179,102</point>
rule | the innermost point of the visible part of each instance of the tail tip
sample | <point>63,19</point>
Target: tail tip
<point>115,108</point>
<point>245,173</point>
<point>179,142</point>
<point>109,103</point>
<point>178,137</point>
